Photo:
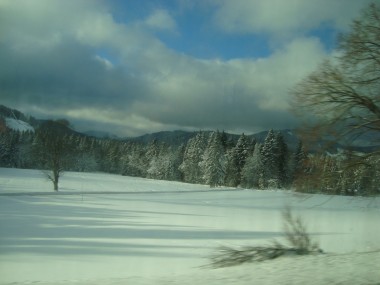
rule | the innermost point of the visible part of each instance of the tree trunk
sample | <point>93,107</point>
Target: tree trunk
<point>55,179</point>
<point>55,185</point>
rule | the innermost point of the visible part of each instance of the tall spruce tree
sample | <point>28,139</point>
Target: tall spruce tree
<point>298,162</point>
<point>192,157</point>
<point>237,157</point>
<point>252,174</point>
<point>154,160</point>
<point>213,161</point>
<point>274,157</point>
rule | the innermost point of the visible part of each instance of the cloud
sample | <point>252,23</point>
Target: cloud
<point>161,20</point>
<point>235,94</point>
<point>284,19</point>
<point>72,59</point>
<point>67,76</point>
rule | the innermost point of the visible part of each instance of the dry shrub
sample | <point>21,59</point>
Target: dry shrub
<point>297,237</point>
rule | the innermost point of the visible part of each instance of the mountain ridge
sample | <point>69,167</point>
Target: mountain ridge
<point>174,138</point>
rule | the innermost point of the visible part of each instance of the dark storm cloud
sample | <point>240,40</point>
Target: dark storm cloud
<point>236,111</point>
<point>66,76</point>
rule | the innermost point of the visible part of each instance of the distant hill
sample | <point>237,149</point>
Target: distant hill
<point>101,135</point>
<point>16,120</point>
<point>289,135</point>
<point>181,137</point>
<point>169,137</point>
<point>19,118</point>
<point>6,112</point>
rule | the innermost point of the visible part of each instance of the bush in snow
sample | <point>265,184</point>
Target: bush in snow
<point>298,243</point>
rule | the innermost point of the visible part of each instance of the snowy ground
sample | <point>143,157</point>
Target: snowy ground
<point>157,232</point>
<point>18,125</point>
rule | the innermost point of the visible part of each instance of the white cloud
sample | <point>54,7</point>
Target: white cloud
<point>160,19</point>
<point>108,64</point>
<point>234,94</point>
<point>284,18</point>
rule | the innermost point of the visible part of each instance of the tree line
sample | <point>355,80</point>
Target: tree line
<point>210,158</point>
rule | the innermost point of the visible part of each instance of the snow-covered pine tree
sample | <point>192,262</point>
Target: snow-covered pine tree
<point>227,142</point>
<point>174,158</point>
<point>274,156</point>
<point>165,165</point>
<point>372,175</point>
<point>85,158</point>
<point>213,161</point>
<point>154,160</point>
<point>192,157</point>
<point>297,163</point>
<point>9,147</point>
<point>253,171</point>
<point>236,160</point>
<point>113,157</point>
<point>283,157</point>
<point>24,155</point>
<point>133,160</point>
<point>330,178</point>
<point>300,157</point>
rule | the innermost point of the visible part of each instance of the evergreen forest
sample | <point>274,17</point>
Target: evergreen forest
<point>211,158</point>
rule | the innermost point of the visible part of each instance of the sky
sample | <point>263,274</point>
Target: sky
<point>130,67</point>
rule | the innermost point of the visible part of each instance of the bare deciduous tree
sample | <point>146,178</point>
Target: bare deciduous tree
<point>52,150</point>
<point>341,99</point>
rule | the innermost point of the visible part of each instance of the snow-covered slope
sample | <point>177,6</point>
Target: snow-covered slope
<point>18,125</point>
<point>159,232</point>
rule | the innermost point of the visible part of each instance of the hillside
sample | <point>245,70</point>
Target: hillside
<point>18,125</point>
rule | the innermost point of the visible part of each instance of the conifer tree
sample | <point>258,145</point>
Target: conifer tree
<point>192,157</point>
<point>9,147</point>
<point>274,155</point>
<point>154,160</point>
<point>252,174</point>
<point>297,163</point>
<point>236,160</point>
<point>213,161</point>
<point>133,160</point>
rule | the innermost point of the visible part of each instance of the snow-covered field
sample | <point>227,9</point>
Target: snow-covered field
<point>109,229</point>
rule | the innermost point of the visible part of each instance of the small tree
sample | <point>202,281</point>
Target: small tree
<point>52,149</point>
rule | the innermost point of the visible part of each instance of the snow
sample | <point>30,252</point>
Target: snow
<point>109,229</point>
<point>18,125</point>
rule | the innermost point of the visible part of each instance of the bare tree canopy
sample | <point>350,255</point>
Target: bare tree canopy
<point>342,97</point>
